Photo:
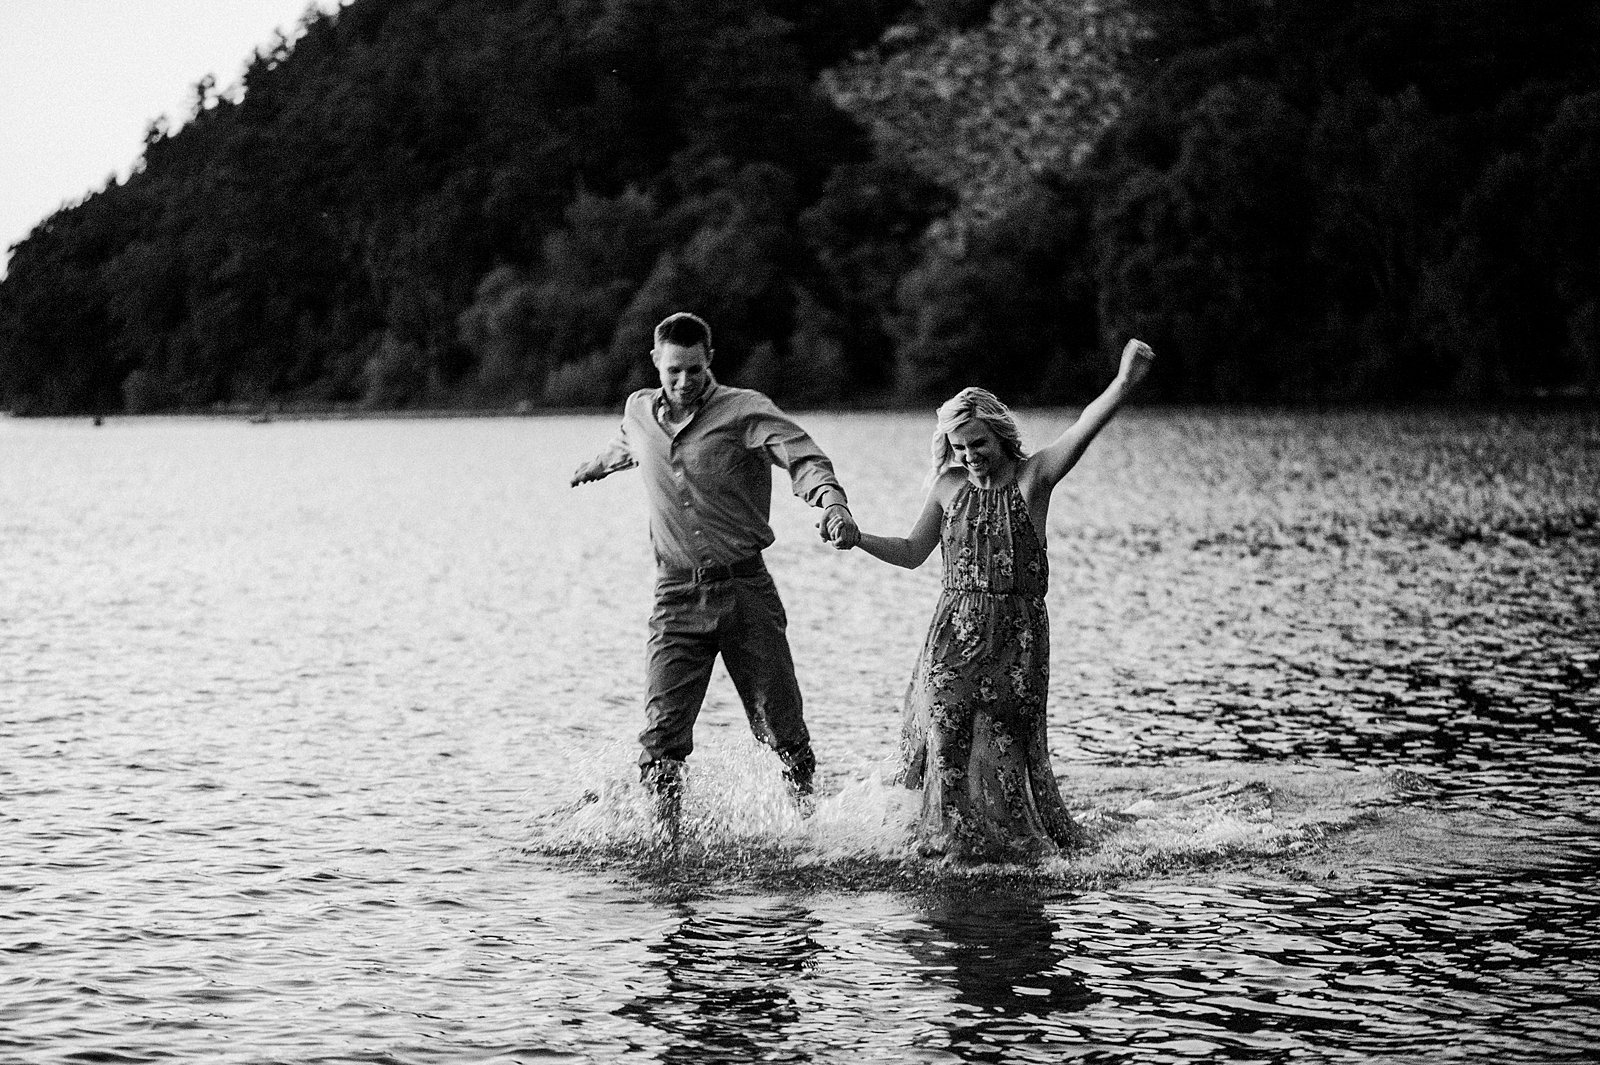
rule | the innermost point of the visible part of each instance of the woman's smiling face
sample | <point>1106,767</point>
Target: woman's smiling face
<point>974,445</point>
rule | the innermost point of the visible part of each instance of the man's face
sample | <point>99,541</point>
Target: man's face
<point>685,372</point>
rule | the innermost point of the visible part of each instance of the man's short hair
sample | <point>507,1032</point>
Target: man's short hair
<point>683,329</point>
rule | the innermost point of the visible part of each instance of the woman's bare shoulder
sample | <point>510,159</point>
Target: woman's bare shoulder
<point>1030,479</point>
<point>948,484</point>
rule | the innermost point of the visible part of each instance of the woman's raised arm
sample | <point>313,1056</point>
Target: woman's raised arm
<point>1052,462</point>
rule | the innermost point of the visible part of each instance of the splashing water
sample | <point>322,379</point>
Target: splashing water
<point>737,818</point>
<point>739,825</point>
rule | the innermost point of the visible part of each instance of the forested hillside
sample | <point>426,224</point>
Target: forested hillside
<point>477,202</point>
<point>487,203</point>
<point>1299,201</point>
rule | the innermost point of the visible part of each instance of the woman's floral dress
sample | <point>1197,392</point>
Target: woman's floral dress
<point>974,734</point>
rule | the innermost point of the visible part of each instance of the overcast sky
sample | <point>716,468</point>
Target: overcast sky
<point>81,81</point>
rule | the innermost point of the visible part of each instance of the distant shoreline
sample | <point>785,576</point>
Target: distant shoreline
<point>1565,403</point>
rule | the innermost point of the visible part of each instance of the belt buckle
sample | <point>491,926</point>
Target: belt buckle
<point>707,574</point>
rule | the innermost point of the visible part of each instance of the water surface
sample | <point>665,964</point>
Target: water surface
<point>300,719</point>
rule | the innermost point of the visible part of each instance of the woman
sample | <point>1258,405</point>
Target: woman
<point>974,733</point>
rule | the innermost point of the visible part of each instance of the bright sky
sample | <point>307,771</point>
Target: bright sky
<point>81,81</point>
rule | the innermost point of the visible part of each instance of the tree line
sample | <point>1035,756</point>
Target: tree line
<point>465,203</point>
<point>1379,200</point>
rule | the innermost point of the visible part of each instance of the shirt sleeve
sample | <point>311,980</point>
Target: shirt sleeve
<point>789,447</point>
<point>617,455</point>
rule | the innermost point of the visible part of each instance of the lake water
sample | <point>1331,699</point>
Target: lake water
<point>299,719</point>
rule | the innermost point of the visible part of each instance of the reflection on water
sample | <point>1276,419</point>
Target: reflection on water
<point>741,980</point>
<point>995,952</point>
<point>1254,970</point>
<point>727,994</point>
<point>300,723</point>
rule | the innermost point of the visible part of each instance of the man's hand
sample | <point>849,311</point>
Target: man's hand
<point>592,470</point>
<point>839,528</point>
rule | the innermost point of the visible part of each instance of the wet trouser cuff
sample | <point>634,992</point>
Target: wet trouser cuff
<point>799,769</point>
<point>662,775</point>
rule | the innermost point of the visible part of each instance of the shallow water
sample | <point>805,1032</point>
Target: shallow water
<point>318,748</point>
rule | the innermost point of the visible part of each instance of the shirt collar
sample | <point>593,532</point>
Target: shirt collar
<point>661,410</point>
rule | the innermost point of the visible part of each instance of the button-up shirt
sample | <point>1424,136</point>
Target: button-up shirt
<point>708,481</point>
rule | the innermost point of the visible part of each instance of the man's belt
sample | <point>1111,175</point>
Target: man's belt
<point>745,567</point>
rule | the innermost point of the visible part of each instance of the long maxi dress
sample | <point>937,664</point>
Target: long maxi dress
<point>974,730</point>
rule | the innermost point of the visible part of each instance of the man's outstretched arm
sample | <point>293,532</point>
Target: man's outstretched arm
<point>615,457</point>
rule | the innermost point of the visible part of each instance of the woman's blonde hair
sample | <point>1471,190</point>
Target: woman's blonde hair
<point>965,406</point>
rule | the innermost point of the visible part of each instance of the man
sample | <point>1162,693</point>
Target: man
<point>705,449</point>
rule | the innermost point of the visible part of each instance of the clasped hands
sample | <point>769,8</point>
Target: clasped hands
<point>839,528</point>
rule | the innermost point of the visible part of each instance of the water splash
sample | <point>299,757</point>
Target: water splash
<point>737,819</point>
<point>738,826</point>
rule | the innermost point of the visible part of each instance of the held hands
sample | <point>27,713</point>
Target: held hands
<point>839,528</point>
<point>1137,357</point>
